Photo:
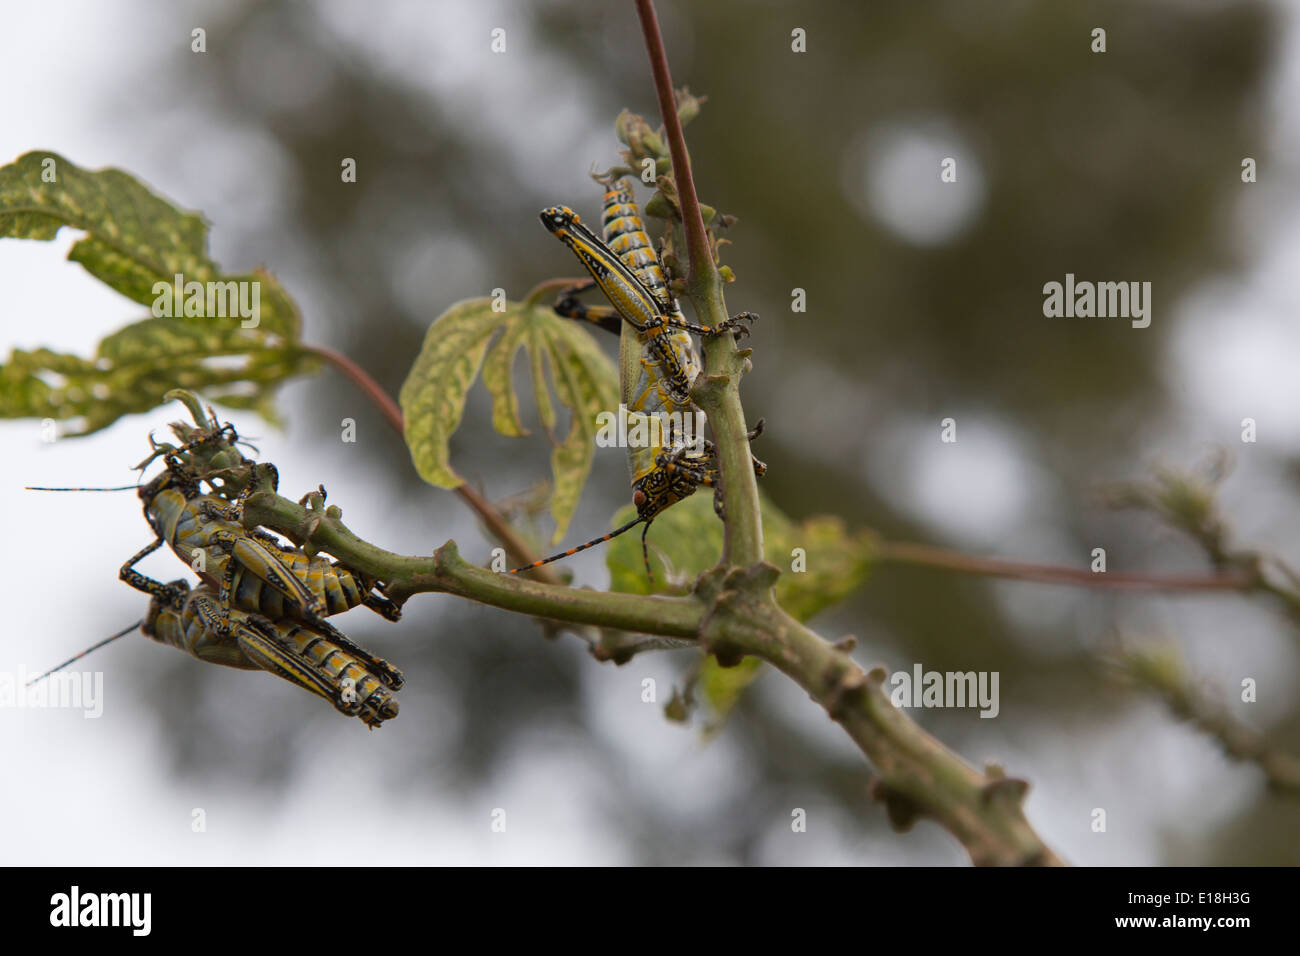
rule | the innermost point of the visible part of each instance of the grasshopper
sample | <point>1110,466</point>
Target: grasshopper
<point>254,575</point>
<point>181,516</point>
<point>318,658</point>
<point>658,359</point>
<point>257,576</point>
<point>632,279</point>
<point>255,570</point>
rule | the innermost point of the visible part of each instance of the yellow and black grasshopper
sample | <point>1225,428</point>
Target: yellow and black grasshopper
<point>658,360</point>
<point>318,658</point>
<point>255,571</point>
<point>267,590</point>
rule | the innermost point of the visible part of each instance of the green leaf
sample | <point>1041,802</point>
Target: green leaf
<point>136,366</point>
<point>721,687</point>
<point>433,395</point>
<point>586,383</point>
<point>460,342</point>
<point>686,540</point>
<point>134,239</point>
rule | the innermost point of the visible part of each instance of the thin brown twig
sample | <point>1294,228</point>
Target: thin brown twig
<point>922,555</point>
<point>362,380</point>
<point>697,241</point>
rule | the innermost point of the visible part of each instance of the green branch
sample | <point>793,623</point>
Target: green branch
<point>732,615</point>
<point>446,571</point>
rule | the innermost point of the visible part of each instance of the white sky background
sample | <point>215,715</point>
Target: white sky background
<point>100,791</point>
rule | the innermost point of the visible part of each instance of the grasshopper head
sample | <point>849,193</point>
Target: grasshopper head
<point>558,218</point>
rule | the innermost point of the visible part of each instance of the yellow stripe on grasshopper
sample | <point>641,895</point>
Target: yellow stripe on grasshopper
<point>625,234</point>
<point>316,658</point>
<point>174,511</point>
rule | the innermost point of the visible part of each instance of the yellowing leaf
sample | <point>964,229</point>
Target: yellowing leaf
<point>586,383</point>
<point>460,342</point>
<point>433,395</point>
<point>496,376</point>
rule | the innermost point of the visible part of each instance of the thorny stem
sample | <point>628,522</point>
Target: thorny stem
<point>918,776</point>
<point>731,614</point>
<point>496,523</point>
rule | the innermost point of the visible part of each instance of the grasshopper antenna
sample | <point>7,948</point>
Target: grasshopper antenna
<point>119,488</point>
<point>583,547</point>
<point>93,647</point>
<point>645,553</point>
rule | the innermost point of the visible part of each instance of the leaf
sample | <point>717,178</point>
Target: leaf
<point>721,687</point>
<point>135,240</point>
<point>137,365</point>
<point>541,394</point>
<point>496,376</point>
<point>460,342</point>
<point>686,540</point>
<point>689,536</point>
<point>433,395</point>
<point>585,382</point>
